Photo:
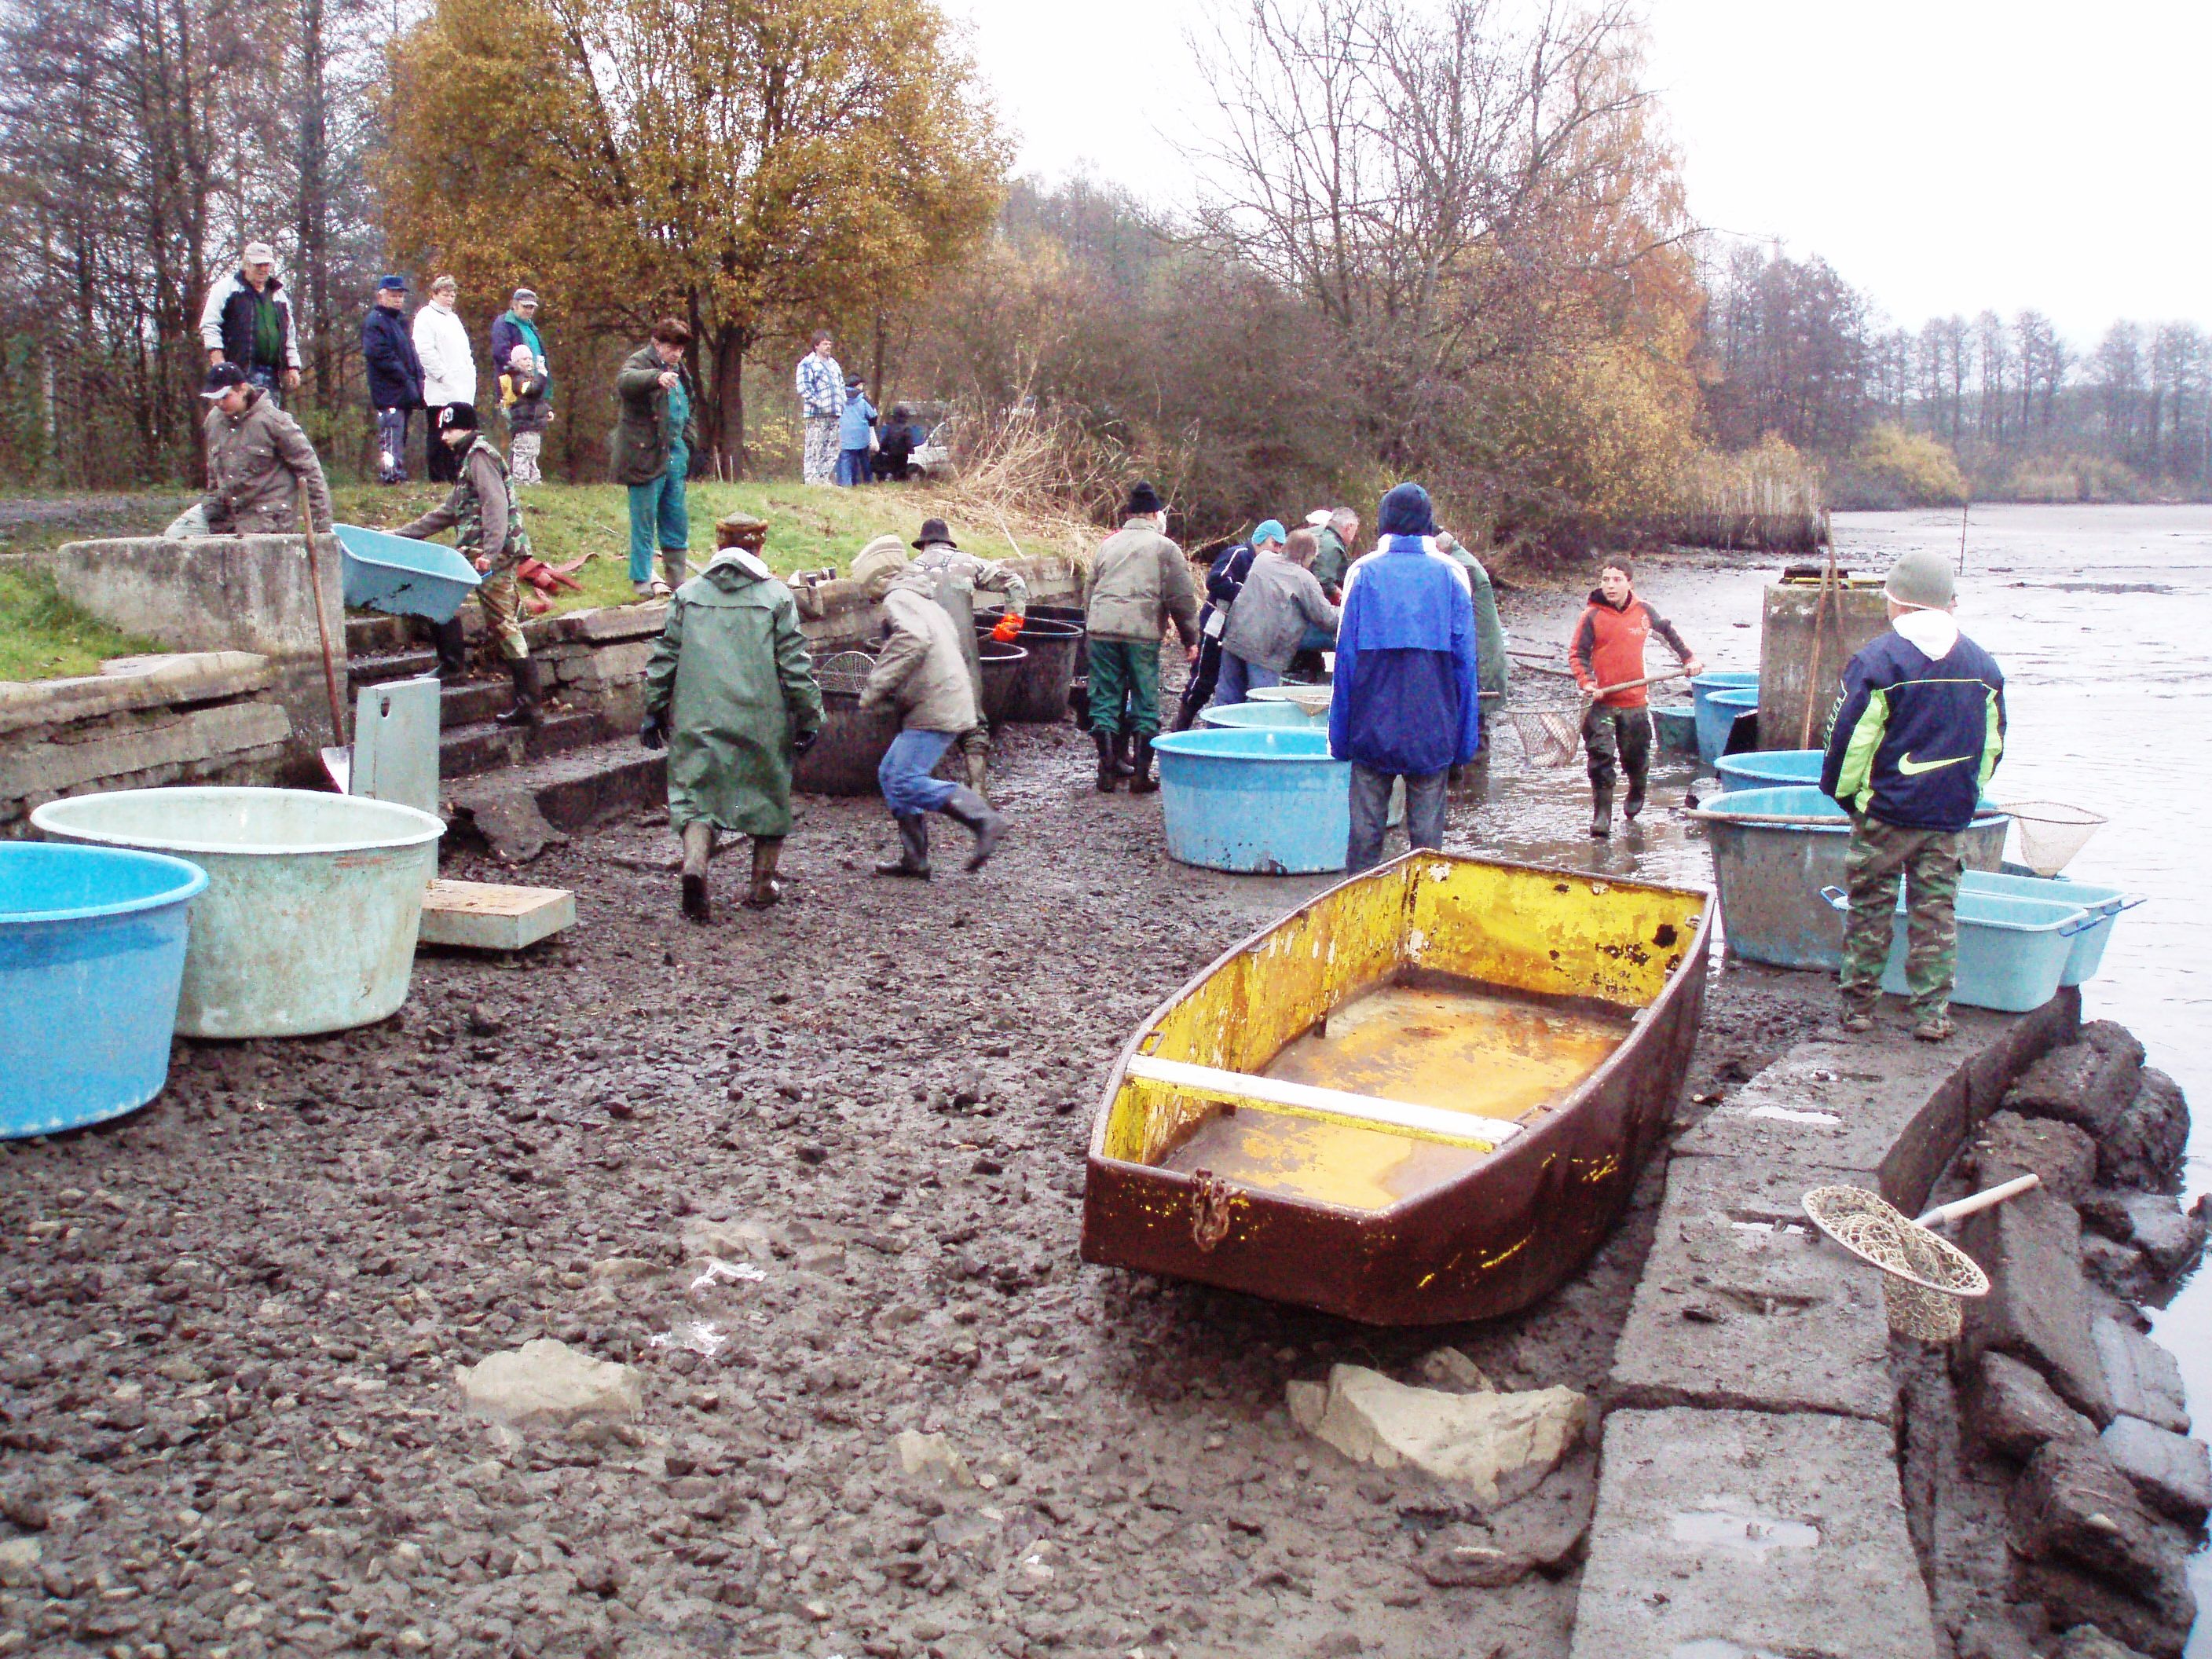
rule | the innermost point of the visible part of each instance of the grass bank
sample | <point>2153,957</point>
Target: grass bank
<point>44,637</point>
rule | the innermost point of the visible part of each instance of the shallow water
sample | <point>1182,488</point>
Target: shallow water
<point>2102,620</point>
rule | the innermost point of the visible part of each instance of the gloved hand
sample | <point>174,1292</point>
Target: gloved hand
<point>652,733</point>
<point>1009,625</point>
<point>803,742</point>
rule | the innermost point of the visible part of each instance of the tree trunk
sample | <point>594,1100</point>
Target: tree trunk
<point>730,345</point>
<point>314,307</point>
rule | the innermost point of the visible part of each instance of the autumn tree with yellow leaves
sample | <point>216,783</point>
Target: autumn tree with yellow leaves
<point>752,166</point>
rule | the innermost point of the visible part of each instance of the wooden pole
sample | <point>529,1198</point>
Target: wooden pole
<point>1828,579</point>
<point>1965,507</point>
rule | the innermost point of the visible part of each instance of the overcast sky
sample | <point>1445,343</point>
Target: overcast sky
<point>1943,155</point>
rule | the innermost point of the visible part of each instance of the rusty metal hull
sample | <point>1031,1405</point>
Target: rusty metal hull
<point>1491,1242</point>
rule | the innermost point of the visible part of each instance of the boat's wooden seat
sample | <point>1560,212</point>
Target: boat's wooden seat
<point>1331,1105</point>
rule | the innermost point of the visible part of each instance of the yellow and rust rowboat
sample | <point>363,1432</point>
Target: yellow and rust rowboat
<point>1422,1096</point>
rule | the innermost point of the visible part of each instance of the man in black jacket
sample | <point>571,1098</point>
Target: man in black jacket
<point>247,321</point>
<point>395,376</point>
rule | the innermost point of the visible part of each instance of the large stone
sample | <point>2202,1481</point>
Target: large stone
<point>2009,1144</point>
<point>1496,1446</point>
<point>504,811</point>
<point>2141,1377</point>
<point>1742,1305</point>
<point>2089,1083</point>
<point>2154,1223</point>
<point>1740,1534</point>
<point>2038,1308</point>
<point>2073,1596</point>
<point>2088,1642</point>
<point>547,1383</point>
<point>2074,1503</point>
<point>932,1458</point>
<point>2173,1472</point>
<point>126,684</point>
<point>2013,1410</point>
<point>147,748</point>
<point>2145,1147</point>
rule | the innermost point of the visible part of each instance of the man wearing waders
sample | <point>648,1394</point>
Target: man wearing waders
<point>1919,729</point>
<point>729,689</point>
<point>958,576</point>
<point>488,519</point>
<point>1139,583</point>
<point>1608,650</point>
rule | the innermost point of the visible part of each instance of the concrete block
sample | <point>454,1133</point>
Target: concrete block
<point>613,622</point>
<point>1804,643</point>
<point>2012,1409</point>
<point>1747,1533</point>
<point>2145,1147</point>
<point>2073,1504</point>
<point>2072,1596</point>
<point>221,594</point>
<point>2152,1222</point>
<point>2009,1144</point>
<point>2089,1083</point>
<point>614,665</point>
<point>2143,1378</point>
<point>486,917</point>
<point>2173,1472</point>
<point>2038,1308</point>
<point>127,685</point>
<point>1742,1306</point>
<point>114,756</point>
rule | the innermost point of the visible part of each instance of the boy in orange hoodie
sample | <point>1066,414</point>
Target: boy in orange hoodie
<point>1608,650</point>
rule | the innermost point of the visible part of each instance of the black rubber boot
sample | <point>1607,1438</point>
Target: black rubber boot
<point>766,890</point>
<point>1634,804</point>
<point>527,694</point>
<point>1108,775</point>
<point>698,848</point>
<point>1144,783</point>
<point>1601,809</point>
<point>972,812</point>
<point>913,849</point>
<point>451,643</point>
<point>1123,766</point>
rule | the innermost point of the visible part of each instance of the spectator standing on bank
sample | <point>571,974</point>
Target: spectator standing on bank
<point>651,455</point>
<point>247,321</point>
<point>1405,702</point>
<point>1139,583</point>
<point>821,404</point>
<point>522,387</point>
<point>896,441</point>
<point>449,373</point>
<point>854,427</point>
<point>395,376</point>
<point>518,325</point>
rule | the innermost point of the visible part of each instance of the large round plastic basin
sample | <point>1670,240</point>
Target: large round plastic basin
<point>1039,692</point>
<point>1717,714</point>
<point>1769,876</point>
<point>1261,717</point>
<point>851,746</point>
<point>312,906</point>
<point>1003,666</point>
<point>1712,725</point>
<point>1769,769</point>
<point>92,950</point>
<point>1268,803</point>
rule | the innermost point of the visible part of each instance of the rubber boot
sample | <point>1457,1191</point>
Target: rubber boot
<point>1123,766</point>
<point>673,570</point>
<point>766,889</point>
<point>972,812</point>
<point>527,695</point>
<point>452,644</point>
<point>913,849</point>
<point>1144,783</point>
<point>979,767</point>
<point>1601,809</point>
<point>1634,804</point>
<point>1108,775</point>
<point>698,848</point>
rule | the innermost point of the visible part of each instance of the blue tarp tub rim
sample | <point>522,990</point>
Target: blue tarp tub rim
<point>1763,808</point>
<point>188,881</point>
<point>1291,745</point>
<point>410,827</point>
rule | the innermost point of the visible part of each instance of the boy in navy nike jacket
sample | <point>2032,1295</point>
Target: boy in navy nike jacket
<point>1918,730</point>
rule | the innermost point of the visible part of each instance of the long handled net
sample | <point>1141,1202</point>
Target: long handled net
<point>845,671</point>
<point>1924,1275</point>
<point>2050,833</point>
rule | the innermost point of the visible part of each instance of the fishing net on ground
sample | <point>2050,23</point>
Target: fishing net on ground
<point>1924,1275</point>
<point>844,672</point>
<point>2052,833</point>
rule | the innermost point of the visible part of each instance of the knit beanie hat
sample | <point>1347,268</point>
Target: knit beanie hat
<point>1406,512</point>
<point>1144,499</point>
<point>1921,578</point>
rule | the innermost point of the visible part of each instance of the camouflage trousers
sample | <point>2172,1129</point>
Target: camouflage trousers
<point>1927,860</point>
<point>502,612</point>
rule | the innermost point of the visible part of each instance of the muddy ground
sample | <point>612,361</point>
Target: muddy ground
<point>231,1322</point>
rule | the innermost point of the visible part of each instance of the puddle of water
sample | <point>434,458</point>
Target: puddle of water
<point>1741,1532</point>
<point>1324,1163</point>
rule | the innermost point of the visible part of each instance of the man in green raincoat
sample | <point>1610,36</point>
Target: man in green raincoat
<point>729,689</point>
<point>1489,631</point>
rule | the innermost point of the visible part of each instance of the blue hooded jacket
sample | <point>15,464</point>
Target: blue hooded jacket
<point>1916,738</point>
<point>1405,696</point>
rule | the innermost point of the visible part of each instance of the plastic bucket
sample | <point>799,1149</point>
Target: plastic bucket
<point>1261,717</point>
<point>313,901</point>
<point>1769,876</point>
<point>91,951</point>
<point>1712,725</point>
<point>1262,802</point>
<point>2012,952</point>
<point>2102,904</point>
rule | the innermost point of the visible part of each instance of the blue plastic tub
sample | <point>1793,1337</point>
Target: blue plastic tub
<point>1769,769</point>
<point>388,573</point>
<point>1770,875</point>
<point>1676,730</point>
<point>1717,718</point>
<point>92,953</point>
<point>2103,905</point>
<point>1262,717</point>
<point>2012,952</point>
<point>1712,725</point>
<point>1262,802</point>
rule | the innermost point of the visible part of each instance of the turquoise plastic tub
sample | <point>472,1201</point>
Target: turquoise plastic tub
<point>1716,719</point>
<point>1712,725</point>
<point>92,953</point>
<point>1769,769</point>
<point>1262,717</point>
<point>2012,952</point>
<point>2102,904</point>
<point>313,902</point>
<point>402,576</point>
<point>1675,728</point>
<point>1770,875</point>
<point>1259,802</point>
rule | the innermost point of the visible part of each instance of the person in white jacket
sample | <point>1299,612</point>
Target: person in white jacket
<point>449,368</point>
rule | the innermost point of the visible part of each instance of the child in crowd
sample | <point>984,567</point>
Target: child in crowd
<point>522,396</point>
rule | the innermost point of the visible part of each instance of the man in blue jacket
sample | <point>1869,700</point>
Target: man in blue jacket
<point>395,376</point>
<point>1406,701</point>
<point>1918,730</point>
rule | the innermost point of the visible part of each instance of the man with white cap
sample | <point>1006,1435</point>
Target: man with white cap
<point>247,321</point>
<point>1918,730</point>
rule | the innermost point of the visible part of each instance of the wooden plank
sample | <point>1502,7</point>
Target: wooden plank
<point>481,916</point>
<point>1303,1100</point>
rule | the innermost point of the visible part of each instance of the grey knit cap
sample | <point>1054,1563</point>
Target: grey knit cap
<point>1922,578</point>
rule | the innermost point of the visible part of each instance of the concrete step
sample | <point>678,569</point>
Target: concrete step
<point>482,746</point>
<point>516,811</point>
<point>376,668</point>
<point>471,702</point>
<point>368,636</point>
